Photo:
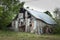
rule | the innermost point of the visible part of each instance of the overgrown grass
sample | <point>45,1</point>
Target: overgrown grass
<point>10,35</point>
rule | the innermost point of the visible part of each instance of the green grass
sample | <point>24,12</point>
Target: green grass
<point>10,35</point>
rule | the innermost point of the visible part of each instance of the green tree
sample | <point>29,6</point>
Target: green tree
<point>57,12</point>
<point>47,12</point>
<point>57,19</point>
<point>8,11</point>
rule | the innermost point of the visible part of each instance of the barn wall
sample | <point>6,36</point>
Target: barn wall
<point>15,25</point>
<point>37,25</point>
<point>40,25</point>
<point>34,23</point>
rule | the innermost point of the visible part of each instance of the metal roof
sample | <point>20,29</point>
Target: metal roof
<point>42,16</point>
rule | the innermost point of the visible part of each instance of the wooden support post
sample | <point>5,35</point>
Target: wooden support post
<point>16,25</point>
<point>26,27</point>
<point>28,24</point>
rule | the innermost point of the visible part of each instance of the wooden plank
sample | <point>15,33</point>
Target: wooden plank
<point>26,21</point>
<point>16,25</point>
<point>34,23</point>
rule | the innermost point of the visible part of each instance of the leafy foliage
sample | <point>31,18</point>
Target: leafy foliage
<point>57,27</point>
<point>47,12</point>
<point>8,10</point>
<point>57,13</point>
<point>57,19</point>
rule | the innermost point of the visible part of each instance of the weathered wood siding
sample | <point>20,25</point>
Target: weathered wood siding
<point>34,23</point>
<point>40,26</point>
<point>16,26</point>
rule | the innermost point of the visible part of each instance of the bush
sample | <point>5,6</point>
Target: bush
<point>57,27</point>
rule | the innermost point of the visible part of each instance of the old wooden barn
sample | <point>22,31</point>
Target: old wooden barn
<point>32,21</point>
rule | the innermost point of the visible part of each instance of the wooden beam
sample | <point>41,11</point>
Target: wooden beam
<point>16,26</point>
<point>26,26</point>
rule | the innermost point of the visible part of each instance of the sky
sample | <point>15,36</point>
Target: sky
<point>42,5</point>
